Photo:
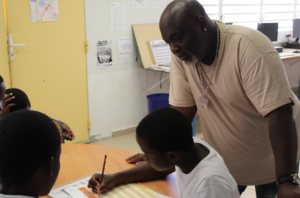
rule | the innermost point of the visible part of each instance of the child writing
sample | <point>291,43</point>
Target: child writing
<point>30,148</point>
<point>165,136</point>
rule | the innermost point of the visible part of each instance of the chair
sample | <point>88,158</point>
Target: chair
<point>60,129</point>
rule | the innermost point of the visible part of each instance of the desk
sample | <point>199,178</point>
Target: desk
<point>79,160</point>
<point>292,67</point>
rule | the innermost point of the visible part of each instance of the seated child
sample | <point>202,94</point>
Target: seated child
<point>4,97</point>
<point>29,154</point>
<point>165,136</point>
<point>21,102</point>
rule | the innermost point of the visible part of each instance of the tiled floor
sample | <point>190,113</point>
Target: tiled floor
<point>128,142</point>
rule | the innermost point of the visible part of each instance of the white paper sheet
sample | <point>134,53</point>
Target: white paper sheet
<point>75,192</point>
<point>139,4</point>
<point>158,4</point>
<point>61,193</point>
<point>125,49</point>
<point>104,54</point>
<point>161,51</point>
<point>118,16</point>
<point>43,10</point>
<point>71,190</point>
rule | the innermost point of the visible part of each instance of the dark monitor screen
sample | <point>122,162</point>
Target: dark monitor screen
<point>269,29</point>
<point>296,28</point>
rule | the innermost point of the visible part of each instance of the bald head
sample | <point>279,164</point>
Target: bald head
<point>182,10</point>
<point>185,25</point>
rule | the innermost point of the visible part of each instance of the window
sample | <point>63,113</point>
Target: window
<point>250,12</point>
<point>212,8</point>
<point>279,11</point>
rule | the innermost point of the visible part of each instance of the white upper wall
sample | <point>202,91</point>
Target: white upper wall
<point>117,95</point>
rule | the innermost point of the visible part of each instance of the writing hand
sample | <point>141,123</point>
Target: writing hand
<point>107,183</point>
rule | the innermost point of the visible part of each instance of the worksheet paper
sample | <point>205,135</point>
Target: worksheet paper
<point>43,10</point>
<point>161,52</point>
<point>118,16</point>
<point>158,4</point>
<point>139,4</point>
<point>125,49</point>
<point>104,54</point>
<point>79,189</point>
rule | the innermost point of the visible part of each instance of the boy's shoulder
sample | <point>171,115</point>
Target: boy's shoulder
<point>209,174</point>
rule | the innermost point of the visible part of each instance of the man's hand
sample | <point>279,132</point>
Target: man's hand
<point>6,107</point>
<point>68,133</point>
<point>136,159</point>
<point>288,190</point>
<point>107,183</point>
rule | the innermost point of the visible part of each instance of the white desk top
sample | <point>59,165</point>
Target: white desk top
<point>288,54</point>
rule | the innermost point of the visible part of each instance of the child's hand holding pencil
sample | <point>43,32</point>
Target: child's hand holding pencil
<point>107,183</point>
<point>100,182</point>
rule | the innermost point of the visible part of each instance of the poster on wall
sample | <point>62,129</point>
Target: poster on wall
<point>139,4</point>
<point>118,16</point>
<point>158,4</point>
<point>125,49</point>
<point>43,10</point>
<point>104,54</point>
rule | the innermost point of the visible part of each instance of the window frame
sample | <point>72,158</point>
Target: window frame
<point>261,12</point>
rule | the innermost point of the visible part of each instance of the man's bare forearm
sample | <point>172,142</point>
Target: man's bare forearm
<point>143,172</point>
<point>189,112</point>
<point>283,137</point>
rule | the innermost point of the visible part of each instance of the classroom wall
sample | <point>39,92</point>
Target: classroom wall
<point>117,95</point>
<point>4,69</point>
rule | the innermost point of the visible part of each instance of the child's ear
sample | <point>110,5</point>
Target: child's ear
<point>49,167</point>
<point>173,157</point>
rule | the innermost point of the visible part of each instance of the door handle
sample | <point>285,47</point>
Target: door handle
<point>12,47</point>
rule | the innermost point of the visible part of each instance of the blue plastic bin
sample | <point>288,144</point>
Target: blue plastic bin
<point>156,101</point>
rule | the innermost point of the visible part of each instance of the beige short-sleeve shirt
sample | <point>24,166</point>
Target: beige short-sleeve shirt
<point>249,82</point>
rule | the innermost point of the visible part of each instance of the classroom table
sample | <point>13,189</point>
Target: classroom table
<point>292,68</point>
<point>79,160</point>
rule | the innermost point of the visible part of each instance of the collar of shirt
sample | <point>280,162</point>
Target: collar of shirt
<point>14,196</point>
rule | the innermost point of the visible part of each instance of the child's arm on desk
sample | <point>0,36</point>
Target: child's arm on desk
<point>143,172</point>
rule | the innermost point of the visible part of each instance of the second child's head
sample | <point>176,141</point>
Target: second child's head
<point>21,99</point>
<point>164,135</point>
<point>30,148</point>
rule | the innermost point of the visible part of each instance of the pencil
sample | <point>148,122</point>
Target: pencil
<point>101,180</point>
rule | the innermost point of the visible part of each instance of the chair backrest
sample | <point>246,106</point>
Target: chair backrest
<point>60,129</point>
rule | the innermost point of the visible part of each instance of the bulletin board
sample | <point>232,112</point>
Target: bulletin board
<point>143,34</point>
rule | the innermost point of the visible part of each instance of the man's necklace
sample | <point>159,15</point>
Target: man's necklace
<point>203,100</point>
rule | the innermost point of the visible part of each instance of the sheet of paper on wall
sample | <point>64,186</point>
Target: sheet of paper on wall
<point>43,10</point>
<point>104,54</point>
<point>139,4</point>
<point>158,4</point>
<point>125,49</point>
<point>118,16</point>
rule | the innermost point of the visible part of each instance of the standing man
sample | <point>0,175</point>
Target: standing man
<point>235,79</point>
